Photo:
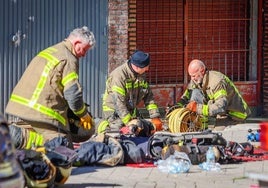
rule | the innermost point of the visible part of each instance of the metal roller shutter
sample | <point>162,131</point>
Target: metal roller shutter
<point>265,58</point>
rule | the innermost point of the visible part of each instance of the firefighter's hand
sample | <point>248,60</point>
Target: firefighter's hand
<point>192,106</point>
<point>157,123</point>
<point>41,149</point>
<point>86,121</point>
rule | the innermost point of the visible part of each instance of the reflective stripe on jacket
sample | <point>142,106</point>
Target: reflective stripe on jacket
<point>48,86</point>
<point>124,91</point>
<point>221,94</point>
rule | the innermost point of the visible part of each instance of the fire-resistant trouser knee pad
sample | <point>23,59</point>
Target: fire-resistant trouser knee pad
<point>25,138</point>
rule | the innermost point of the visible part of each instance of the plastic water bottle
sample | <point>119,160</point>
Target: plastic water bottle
<point>177,163</point>
<point>210,164</point>
<point>210,156</point>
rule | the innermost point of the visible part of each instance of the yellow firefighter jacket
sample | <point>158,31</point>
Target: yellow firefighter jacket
<point>48,86</point>
<point>125,89</point>
<point>222,97</point>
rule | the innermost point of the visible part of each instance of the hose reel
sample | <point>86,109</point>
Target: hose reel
<point>184,120</point>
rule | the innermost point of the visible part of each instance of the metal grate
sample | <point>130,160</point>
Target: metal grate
<point>159,31</point>
<point>175,31</point>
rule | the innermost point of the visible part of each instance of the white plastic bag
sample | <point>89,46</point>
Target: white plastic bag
<point>177,163</point>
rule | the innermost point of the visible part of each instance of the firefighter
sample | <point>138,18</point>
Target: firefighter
<point>126,87</point>
<point>48,88</point>
<point>212,94</point>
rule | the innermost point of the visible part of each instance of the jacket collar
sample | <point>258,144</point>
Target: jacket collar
<point>69,46</point>
<point>135,74</point>
<point>205,79</point>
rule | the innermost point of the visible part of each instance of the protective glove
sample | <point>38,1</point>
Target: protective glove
<point>86,121</point>
<point>170,109</point>
<point>157,123</point>
<point>192,106</point>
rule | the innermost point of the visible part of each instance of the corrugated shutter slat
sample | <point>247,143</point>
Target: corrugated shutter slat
<point>265,58</point>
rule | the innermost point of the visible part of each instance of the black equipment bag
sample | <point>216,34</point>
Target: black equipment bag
<point>160,140</point>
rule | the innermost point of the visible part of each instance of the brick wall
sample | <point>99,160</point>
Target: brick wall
<point>117,33</point>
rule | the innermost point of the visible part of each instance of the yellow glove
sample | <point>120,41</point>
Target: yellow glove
<point>86,121</point>
<point>41,149</point>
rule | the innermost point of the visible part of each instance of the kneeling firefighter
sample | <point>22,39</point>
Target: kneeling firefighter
<point>48,88</point>
<point>126,88</point>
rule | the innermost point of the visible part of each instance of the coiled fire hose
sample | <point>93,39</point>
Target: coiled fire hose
<point>184,120</point>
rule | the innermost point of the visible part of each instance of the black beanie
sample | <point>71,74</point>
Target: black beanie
<point>140,59</point>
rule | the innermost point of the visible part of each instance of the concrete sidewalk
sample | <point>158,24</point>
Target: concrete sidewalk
<point>231,175</point>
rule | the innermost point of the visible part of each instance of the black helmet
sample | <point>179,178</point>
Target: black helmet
<point>62,158</point>
<point>37,168</point>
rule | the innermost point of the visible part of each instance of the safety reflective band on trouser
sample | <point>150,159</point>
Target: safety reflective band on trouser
<point>205,110</point>
<point>102,126</point>
<point>239,115</point>
<point>204,120</point>
<point>38,107</point>
<point>34,140</point>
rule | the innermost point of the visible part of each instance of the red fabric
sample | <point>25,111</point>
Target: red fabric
<point>125,130</point>
<point>141,165</point>
<point>264,135</point>
<point>259,155</point>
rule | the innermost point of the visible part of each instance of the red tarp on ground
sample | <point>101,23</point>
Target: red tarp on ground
<point>259,155</point>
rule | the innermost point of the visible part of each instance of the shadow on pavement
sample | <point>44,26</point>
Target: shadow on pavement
<point>83,170</point>
<point>87,185</point>
<point>86,169</point>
